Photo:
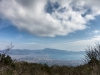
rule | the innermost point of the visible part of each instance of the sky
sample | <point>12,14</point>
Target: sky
<point>60,24</point>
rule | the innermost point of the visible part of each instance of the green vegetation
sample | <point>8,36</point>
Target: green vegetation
<point>12,67</point>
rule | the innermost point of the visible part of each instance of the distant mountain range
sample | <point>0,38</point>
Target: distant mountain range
<point>48,55</point>
<point>42,51</point>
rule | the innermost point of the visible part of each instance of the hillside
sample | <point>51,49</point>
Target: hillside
<point>9,67</point>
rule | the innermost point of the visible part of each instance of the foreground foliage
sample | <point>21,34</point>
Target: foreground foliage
<point>10,67</point>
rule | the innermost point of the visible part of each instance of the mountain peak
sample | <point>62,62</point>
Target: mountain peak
<point>49,49</point>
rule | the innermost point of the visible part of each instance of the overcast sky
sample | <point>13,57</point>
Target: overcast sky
<point>60,24</point>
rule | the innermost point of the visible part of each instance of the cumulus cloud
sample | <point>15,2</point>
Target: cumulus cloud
<point>50,18</point>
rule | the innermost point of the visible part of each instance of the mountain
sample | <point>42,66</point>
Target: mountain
<point>48,55</point>
<point>42,51</point>
<point>56,51</point>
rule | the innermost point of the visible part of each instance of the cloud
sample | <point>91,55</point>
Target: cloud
<point>93,32</point>
<point>49,18</point>
<point>80,45</point>
<point>96,31</point>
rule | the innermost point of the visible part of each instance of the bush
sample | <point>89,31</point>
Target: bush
<point>93,59</point>
<point>5,60</point>
<point>93,55</point>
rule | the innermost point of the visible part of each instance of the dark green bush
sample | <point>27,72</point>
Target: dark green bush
<point>5,60</point>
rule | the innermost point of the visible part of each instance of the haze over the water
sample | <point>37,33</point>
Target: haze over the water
<point>58,24</point>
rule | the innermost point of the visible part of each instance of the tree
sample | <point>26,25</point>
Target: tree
<point>6,58</point>
<point>93,57</point>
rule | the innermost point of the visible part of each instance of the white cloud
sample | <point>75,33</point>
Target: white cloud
<point>82,44</point>
<point>31,15</point>
<point>94,32</point>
